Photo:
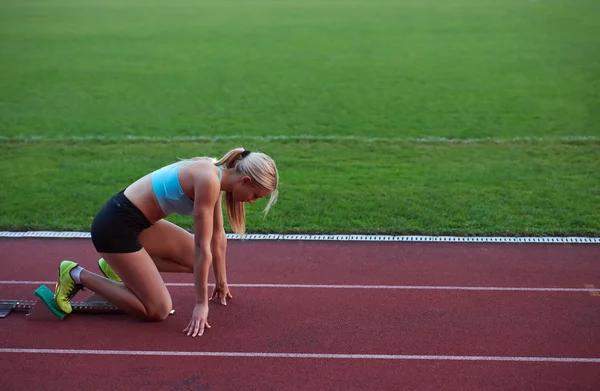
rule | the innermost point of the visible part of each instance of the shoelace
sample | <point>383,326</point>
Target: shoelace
<point>76,288</point>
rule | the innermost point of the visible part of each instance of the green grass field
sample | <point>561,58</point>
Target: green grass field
<point>401,116</point>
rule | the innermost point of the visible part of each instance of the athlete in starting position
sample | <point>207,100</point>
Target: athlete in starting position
<point>136,243</point>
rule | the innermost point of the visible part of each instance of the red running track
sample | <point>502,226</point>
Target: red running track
<point>415,339</point>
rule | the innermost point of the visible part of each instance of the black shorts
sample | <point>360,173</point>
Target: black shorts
<point>117,225</point>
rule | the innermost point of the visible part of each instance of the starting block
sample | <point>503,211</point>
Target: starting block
<point>48,310</point>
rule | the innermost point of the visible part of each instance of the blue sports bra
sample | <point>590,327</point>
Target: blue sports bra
<point>168,191</point>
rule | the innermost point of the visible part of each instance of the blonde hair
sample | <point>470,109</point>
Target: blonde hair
<point>262,170</point>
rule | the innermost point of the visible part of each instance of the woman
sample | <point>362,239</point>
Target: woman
<point>136,243</point>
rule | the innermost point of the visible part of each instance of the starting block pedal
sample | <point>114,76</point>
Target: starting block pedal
<point>49,310</point>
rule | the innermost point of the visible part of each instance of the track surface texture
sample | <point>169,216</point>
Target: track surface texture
<point>326,316</point>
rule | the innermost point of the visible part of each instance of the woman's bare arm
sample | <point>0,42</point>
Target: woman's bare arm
<point>207,190</point>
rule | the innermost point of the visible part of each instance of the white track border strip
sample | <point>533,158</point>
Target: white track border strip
<point>343,238</point>
<point>160,353</point>
<point>374,287</point>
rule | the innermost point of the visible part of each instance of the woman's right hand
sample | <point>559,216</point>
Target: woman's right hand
<point>221,293</point>
<point>199,320</point>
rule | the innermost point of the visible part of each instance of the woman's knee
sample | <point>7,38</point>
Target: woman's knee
<point>159,311</point>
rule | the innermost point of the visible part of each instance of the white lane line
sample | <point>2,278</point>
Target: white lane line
<point>375,287</point>
<point>345,238</point>
<point>298,355</point>
<point>302,137</point>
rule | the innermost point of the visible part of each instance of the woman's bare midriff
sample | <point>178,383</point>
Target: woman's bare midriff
<point>140,193</point>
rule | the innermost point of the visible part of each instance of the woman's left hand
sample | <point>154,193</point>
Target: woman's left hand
<point>221,292</point>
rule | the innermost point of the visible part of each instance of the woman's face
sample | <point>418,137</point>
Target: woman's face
<point>246,190</point>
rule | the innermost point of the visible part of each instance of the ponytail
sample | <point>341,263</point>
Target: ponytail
<point>236,211</point>
<point>230,158</point>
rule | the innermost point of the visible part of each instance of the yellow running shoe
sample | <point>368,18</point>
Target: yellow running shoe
<point>108,271</point>
<point>66,287</point>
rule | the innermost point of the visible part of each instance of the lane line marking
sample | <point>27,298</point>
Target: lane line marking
<point>593,290</point>
<point>298,355</point>
<point>303,137</point>
<point>590,290</point>
<point>343,238</point>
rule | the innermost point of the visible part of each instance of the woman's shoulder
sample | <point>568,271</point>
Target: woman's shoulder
<point>201,171</point>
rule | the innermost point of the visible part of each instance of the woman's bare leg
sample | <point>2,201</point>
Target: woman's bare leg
<point>143,292</point>
<point>172,250</point>
<point>167,248</point>
<point>170,246</point>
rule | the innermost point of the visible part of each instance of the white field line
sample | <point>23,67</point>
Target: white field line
<point>371,287</point>
<point>345,238</point>
<point>297,355</point>
<point>298,138</point>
